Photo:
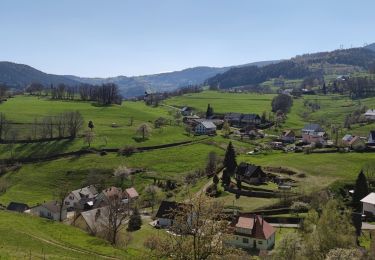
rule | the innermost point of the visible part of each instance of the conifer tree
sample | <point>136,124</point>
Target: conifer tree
<point>361,189</point>
<point>230,159</point>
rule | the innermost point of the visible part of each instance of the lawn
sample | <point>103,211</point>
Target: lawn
<point>35,183</point>
<point>24,109</point>
<point>24,236</point>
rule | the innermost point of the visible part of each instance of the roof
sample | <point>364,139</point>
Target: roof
<point>313,127</point>
<point>16,206</point>
<point>354,139</point>
<point>249,170</point>
<point>96,219</point>
<point>168,209</point>
<point>186,109</point>
<point>250,116</point>
<point>372,134</point>
<point>52,206</point>
<point>288,133</point>
<point>260,229</point>
<point>244,222</point>
<point>370,199</point>
<point>112,191</point>
<point>132,193</point>
<point>370,112</point>
<point>232,115</point>
<point>85,192</point>
<point>208,124</point>
<point>347,137</point>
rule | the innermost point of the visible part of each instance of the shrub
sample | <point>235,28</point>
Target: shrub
<point>128,150</point>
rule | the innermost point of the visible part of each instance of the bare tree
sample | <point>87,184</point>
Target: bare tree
<point>151,193</point>
<point>123,173</point>
<point>75,122</point>
<point>61,192</point>
<point>115,218</point>
<point>144,130</point>
<point>202,231</point>
<point>89,137</point>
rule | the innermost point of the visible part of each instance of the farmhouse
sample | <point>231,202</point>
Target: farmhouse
<point>288,136</point>
<point>50,210</point>
<point>205,128</point>
<point>351,140</point>
<point>253,233</point>
<point>186,111</point>
<point>103,198</point>
<point>370,114</point>
<point>167,212</point>
<point>130,195</point>
<point>250,119</point>
<point>371,138</point>
<point>250,173</point>
<point>368,205</point>
<point>18,207</point>
<point>81,198</point>
<point>238,119</point>
<point>94,221</point>
<point>313,133</point>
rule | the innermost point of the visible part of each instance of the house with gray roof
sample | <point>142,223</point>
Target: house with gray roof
<point>205,128</point>
<point>82,198</point>
<point>313,133</point>
<point>50,210</point>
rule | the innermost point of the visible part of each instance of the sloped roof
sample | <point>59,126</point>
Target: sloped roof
<point>370,199</point>
<point>354,139</point>
<point>132,193</point>
<point>260,229</point>
<point>288,133</point>
<point>168,209</point>
<point>370,112</point>
<point>313,127</point>
<point>347,137</point>
<point>52,206</point>
<point>249,170</point>
<point>233,115</point>
<point>85,192</point>
<point>250,116</point>
<point>372,134</point>
<point>208,124</point>
<point>96,219</point>
<point>16,206</point>
<point>112,191</point>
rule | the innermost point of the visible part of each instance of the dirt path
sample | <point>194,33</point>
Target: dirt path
<point>204,188</point>
<point>82,251</point>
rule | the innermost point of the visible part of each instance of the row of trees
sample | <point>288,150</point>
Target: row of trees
<point>104,94</point>
<point>153,99</point>
<point>66,124</point>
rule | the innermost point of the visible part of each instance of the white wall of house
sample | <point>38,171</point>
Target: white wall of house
<point>247,242</point>
<point>367,207</point>
<point>200,129</point>
<point>164,222</point>
<point>71,201</point>
<point>45,213</point>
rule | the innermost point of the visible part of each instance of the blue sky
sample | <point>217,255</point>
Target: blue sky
<point>122,37</point>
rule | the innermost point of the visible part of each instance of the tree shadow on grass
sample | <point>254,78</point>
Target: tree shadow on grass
<point>140,139</point>
<point>42,149</point>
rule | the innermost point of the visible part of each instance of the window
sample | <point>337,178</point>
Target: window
<point>260,242</point>
<point>67,203</point>
<point>245,240</point>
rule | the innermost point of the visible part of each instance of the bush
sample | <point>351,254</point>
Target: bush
<point>135,221</point>
<point>128,150</point>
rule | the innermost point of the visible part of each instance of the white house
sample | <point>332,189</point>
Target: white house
<point>368,204</point>
<point>205,128</point>
<point>371,138</point>
<point>50,210</point>
<point>81,198</point>
<point>313,133</point>
<point>370,114</point>
<point>253,233</point>
<point>167,212</point>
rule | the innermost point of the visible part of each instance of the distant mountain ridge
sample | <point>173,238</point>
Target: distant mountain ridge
<point>20,75</point>
<point>371,47</point>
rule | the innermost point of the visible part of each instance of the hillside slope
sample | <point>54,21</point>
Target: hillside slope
<point>20,75</point>
<point>24,236</point>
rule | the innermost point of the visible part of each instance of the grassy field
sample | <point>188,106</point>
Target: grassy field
<point>24,109</point>
<point>225,102</point>
<point>35,183</point>
<point>23,236</point>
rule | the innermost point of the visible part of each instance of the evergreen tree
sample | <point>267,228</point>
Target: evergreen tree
<point>215,179</point>
<point>230,159</point>
<point>90,125</point>
<point>225,178</point>
<point>239,184</point>
<point>324,89</point>
<point>360,190</point>
<point>210,111</point>
<point>135,221</point>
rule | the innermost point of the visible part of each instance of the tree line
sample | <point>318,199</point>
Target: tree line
<point>105,94</point>
<point>64,125</point>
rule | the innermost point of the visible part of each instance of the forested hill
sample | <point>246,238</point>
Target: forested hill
<point>371,47</point>
<point>299,67</point>
<point>19,75</point>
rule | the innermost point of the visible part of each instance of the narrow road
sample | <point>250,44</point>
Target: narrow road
<point>82,251</point>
